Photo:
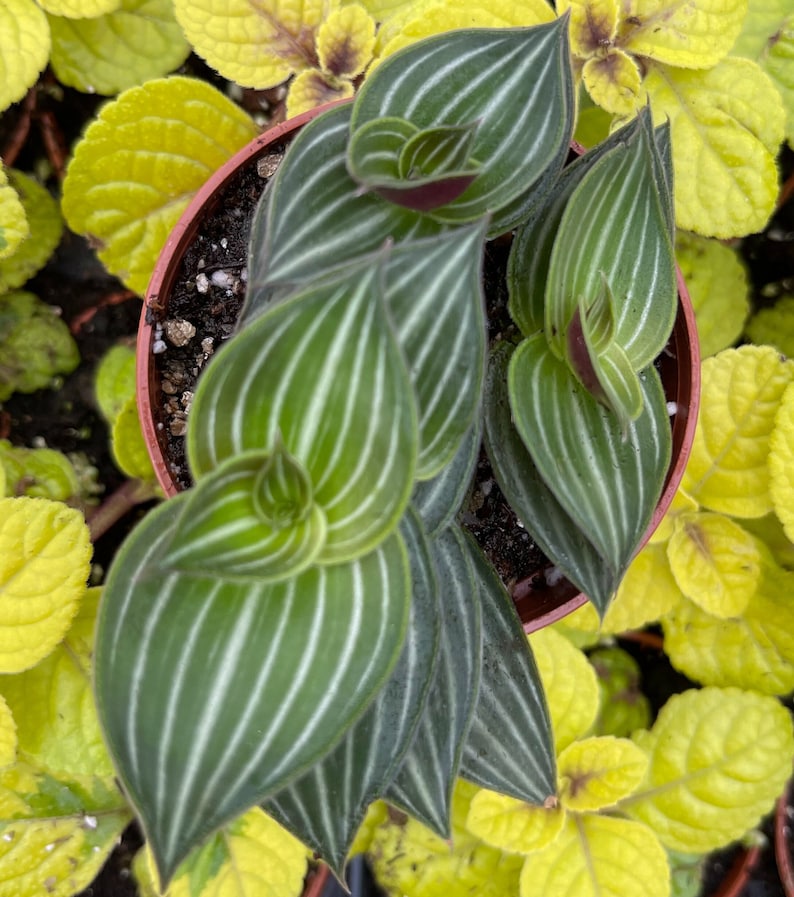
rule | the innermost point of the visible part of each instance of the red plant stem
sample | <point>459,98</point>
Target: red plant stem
<point>116,505</point>
<point>782,854</point>
<point>115,298</point>
<point>646,639</point>
<point>786,191</point>
<point>54,144</point>
<point>21,130</point>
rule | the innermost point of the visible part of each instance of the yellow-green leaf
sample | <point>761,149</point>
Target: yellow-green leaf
<point>769,530</point>
<point>592,125</point>
<point>45,554</point>
<point>14,226</point>
<point>46,227</point>
<point>107,54</point>
<point>694,34</point>
<point>717,282</point>
<point>594,25</point>
<point>781,462</point>
<point>255,44</point>
<point>775,326</point>
<point>53,705</point>
<point>345,41</point>
<point>718,759</point>
<point>377,813</point>
<point>681,504</point>
<point>24,48</point>
<point>727,125</point>
<point>251,856</point>
<point>715,562</point>
<point>597,772</point>
<point>755,650</point>
<point>129,447</point>
<point>55,836</point>
<point>8,735</point>
<point>139,164</point>
<point>312,88</point>
<point>513,825</point>
<point>114,381</point>
<point>408,858</point>
<point>741,393</point>
<point>570,683</point>
<point>767,37</point>
<point>614,82</point>
<point>79,9</point>
<point>598,856</point>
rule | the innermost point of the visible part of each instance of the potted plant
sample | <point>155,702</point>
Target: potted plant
<point>311,600</point>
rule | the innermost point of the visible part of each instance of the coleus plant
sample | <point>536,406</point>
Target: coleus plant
<point>308,627</point>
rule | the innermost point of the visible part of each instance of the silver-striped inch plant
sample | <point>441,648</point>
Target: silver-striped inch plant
<point>308,627</point>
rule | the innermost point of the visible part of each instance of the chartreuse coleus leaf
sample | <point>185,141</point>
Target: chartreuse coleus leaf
<point>520,480</point>
<point>728,467</point>
<point>139,163</point>
<point>767,37</point>
<point>38,473</point>
<point>753,650</point>
<point>607,320</point>
<point>250,856</point>
<point>513,825</point>
<point>509,746</point>
<point>570,684</point>
<point>79,9</point>
<point>263,678</point>
<point>599,771</point>
<point>598,855</point>
<point>45,555</point>
<point>532,71</point>
<point>56,833</point>
<point>339,399</point>
<point>608,483</point>
<point>114,381</point>
<point>719,758</point>
<point>24,48</point>
<point>326,806</point>
<point>14,227</point>
<point>718,286</point>
<point>136,41</point>
<point>8,735</point>
<point>770,531</point>
<point>35,344</point>
<point>727,124</point>
<point>774,326</point>
<point>408,858</point>
<point>46,226</point>
<point>424,782</point>
<point>781,462</point>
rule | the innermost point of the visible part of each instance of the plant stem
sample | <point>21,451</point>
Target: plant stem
<point>116,505</point>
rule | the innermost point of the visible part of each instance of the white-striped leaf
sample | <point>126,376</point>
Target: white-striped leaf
<point>509,747</point>
<point>313,218</point>
<point>551,526</point>
<point>438,500</point>
<point>514,82</point>
<point>607,479</point>
<point>213,694</point>
<point>424,782</point>
<point>225,528</point>
<point>435,303</point>
<point>323,373</point>
<point>614,231</point>
<point>325,807</point>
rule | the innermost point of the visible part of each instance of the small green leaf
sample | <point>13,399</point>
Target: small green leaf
<point>128,445</point>
<point>599,771</point>
<point>24,48</point>
<point>140,162</point>
<point>774,326</point>
<point>38,473</point>
<point>719,757</point>
<point>14,227</point>
<point>624,707</point>
<point>437,150</point>
<point>114,381</point>
<point>137,41</point>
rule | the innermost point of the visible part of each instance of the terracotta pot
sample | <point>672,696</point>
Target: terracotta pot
<point>537,603</point>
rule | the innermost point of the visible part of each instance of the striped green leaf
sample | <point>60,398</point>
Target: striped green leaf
<point>438,500</point>
<point>607,479</point>
<point>514,82</point>
<point>509,747</point>
<point>214,693</point>
<point>325,807</point>
<point>313,218</point>
<point>323,373</point>
<point>561,539</point>
<point>252,517</point>
<point>424,782</point>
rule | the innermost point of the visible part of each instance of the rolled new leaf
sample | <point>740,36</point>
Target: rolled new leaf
<point>214,693</point>
<point>321,373</point>
<point>514,82</point>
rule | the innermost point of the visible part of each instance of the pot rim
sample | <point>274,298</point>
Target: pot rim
<point>537,607</point>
